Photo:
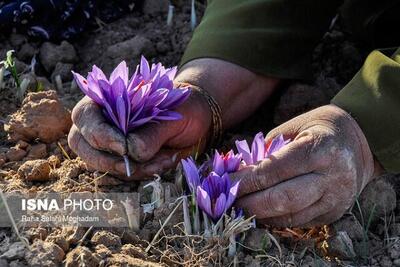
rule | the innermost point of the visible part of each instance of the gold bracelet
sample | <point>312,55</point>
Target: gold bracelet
<point>216,122</point>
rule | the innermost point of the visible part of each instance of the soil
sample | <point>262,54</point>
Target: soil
<point>34,156</point>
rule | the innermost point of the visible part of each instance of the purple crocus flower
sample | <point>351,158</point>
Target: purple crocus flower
<point>192,174</point>
<point>216,194</point>
<point>148,96</point>
<point>259,149</point>
<point>229,162</point>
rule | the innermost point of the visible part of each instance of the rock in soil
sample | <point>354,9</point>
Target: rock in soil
<point>35,170</point>
<point>73,234</point>
<point>378,199</point>
<point>350,225</point>
<point>50,54</point>
<point>59,240</point>
<point>81,256</point>
<point>26,52</point>
<point>15,251</point>
<point>36,233</point>
<point>64,70</point>
<point>38,151</point>
<point>41,116</point>
<point>341,246</point>
<point>131,48</point>
<point>18,263</point>
<point>44,254</point>
<point>69,169</point>
<point>106,238</point>
<point>15,154</point>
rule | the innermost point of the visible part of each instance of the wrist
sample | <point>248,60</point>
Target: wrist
<point>211,110</point>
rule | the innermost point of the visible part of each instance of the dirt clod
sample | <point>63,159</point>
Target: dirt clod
<point>64,70</point>
<point>15,251</point>
<point>60,241</point>
<point>43,253</point>
<point>41,116</point>
<point>351,226</point>
<point>81,256</point>
<point>15,154</point>
<point>50,54</point>
<point>340,245</point>
<point>36,233</point>
<point>35,170</point>
<point>73,234</point>
<point>106,238</point>
<point>38,151</point>
<point>378,199</point>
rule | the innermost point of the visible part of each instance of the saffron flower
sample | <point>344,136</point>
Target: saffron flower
<point>192,174</point>
<point>148,96</point>
<point>216,194</point>
<point>259,148</point>
<point>227,163</point>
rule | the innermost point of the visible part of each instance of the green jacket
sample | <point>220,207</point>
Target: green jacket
<point>277,38</point>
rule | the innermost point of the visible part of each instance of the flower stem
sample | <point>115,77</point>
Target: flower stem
<point>127,167</point>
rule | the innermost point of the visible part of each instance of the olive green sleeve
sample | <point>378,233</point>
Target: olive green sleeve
<point>372,97</point>
<point>270,37</point>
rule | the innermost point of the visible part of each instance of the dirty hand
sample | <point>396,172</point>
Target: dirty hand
<point>101,145</point>
<point>154,147</point>
<point>314,179</point>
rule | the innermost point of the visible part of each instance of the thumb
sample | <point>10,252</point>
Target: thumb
<point>146,141</point>
<point>289,162</point>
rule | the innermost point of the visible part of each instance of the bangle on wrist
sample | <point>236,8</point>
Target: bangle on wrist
<point>215,136</point>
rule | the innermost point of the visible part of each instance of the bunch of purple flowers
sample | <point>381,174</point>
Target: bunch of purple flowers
<point>214,191</point>
<point>148,96</point>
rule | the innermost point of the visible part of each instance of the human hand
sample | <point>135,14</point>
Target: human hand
<point>314,179</point>
<point>154,147</point>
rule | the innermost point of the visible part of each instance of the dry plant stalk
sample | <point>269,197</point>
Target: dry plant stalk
<point>133,211</point>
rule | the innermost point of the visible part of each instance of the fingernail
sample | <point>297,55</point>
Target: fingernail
<point>117,147</point>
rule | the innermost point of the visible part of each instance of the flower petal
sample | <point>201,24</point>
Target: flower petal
<point>258,147</point>
<point>218,163</point>
<point>244,149</point>
<point>203,200</point>
<point>144,68</point>
<point>121,71</point>
<point>233,191</point>
<point>191,174</point>
<point>219,207</point>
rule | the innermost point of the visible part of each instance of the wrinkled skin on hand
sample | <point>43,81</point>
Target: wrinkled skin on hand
<point>154,147</point>
<point>313,180</point>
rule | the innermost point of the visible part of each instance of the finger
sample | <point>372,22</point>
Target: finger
<point>146,141</point>
<point>288,197</point>
<point>95,159</point>
<point>164,160</point>
<point>294,159</point>
<point>303,217</point>
<point>95,128</point>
